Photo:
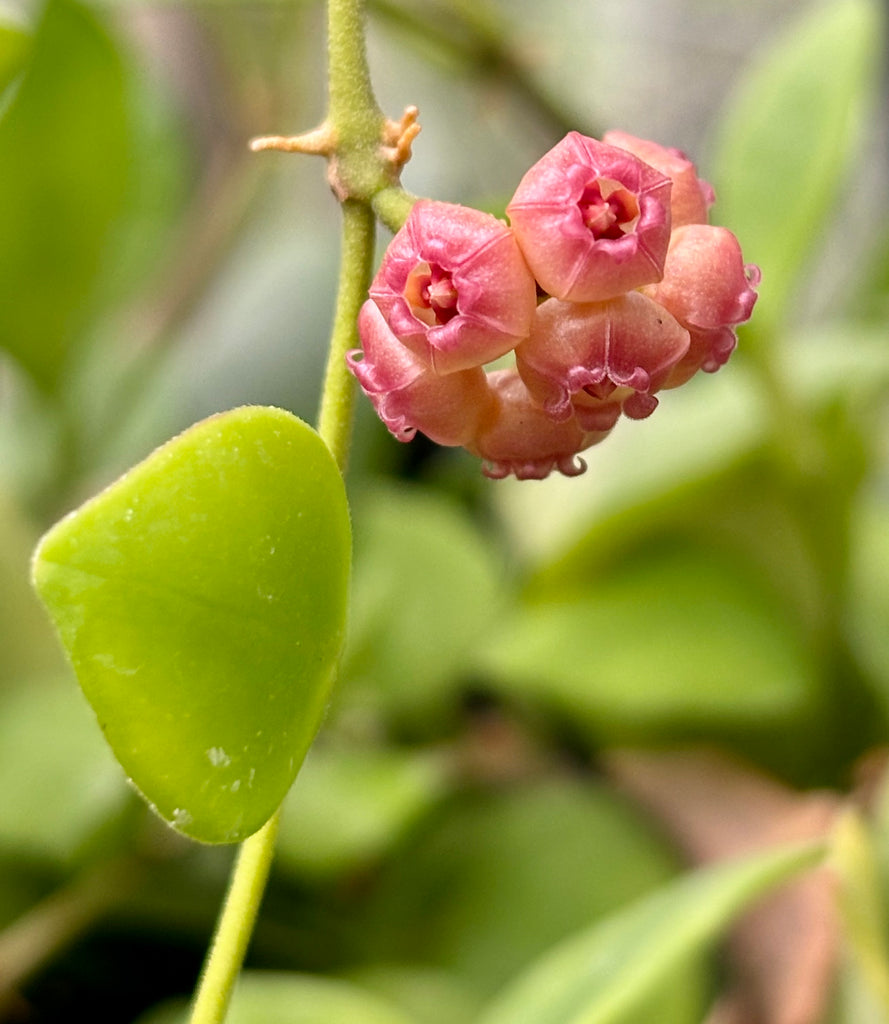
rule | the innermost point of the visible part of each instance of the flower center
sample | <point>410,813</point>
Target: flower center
<point>608,209</point>
<point>431,294</point>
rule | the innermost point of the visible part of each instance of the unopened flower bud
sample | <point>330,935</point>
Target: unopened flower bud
<point>454,287</point>
<point>592,220</point>
<point>709,289</point>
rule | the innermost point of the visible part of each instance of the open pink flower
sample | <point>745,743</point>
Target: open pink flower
<point>407,394</point>
<point>516,436</point>
<point>709,289</point>
<point>592,220</point>
<point>454,287</point>
<point>691,197</point>
<point>594,359</point>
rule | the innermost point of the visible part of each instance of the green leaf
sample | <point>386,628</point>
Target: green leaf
<point>201,599</point>
<point>860,900</point>
<point>14,44</point>
<point>349,806</point>
<point>63,164</point>
<point>602,975</point>
<point>681,637</point>
<point>788,138</point>
<point>60,788</point>
<point>431,996</point>
<point>492,880</point>
<point>426,588</point>
<point>270,997</point>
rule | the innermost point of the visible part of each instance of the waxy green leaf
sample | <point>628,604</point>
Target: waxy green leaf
<point>202,600</point>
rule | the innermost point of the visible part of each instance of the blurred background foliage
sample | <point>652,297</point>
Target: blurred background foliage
<point>554,694</point>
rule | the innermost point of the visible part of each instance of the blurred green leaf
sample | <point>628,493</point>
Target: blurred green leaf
<point>681,637</point>
<point>63,163</point>
<point>602,975</point>
<point>860,897</point>
<point>268,997</point>
<point>493,880</point>
<point>349,806</point>
<point>838,358</point>
<point>27,645</point>
<point>868,611</point>
<point>853,1001</point>
<point>788,138</point>
<point>427,585</point>
<point>202,601</point>
<point>431,996</point>
<point>14,45</point>
<point>60,788</point>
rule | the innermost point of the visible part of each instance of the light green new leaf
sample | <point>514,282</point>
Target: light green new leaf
<point>787,140</point>
<point>202,600</point>
<point>64,149</point>
<point>603,974</point>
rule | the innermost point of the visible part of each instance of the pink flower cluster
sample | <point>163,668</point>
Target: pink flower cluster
<point>608,286</point>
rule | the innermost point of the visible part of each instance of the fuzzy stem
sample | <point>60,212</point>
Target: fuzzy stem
<point>356,264</point>
<point>235,925</point>
<point>392,206</point>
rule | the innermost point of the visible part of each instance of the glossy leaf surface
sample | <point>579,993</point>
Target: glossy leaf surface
<point>201,599</point>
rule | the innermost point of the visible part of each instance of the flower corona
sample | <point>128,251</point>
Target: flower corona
<point>607,286</point>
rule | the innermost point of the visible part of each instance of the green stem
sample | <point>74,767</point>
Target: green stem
<point>235,925</point>
<point>356,264</point>
<point>357,121</point>
<point>352,108</point>
<point>392,206</point>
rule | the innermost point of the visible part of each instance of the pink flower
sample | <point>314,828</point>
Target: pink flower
<point>592,220</point>
<point>407,394</point>
<point>709,289</point>
<point>517,436</point>
<point>691,197</point>
<point>454,287</point>
<point>594,359</point>
<point>638,294</point>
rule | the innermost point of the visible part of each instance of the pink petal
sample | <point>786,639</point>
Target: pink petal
<point>574,257</point>
<point>605,351</point>
<point>407,393</point>
<point>477,264</point>
<point>691,197</point>
<point>518,437</point>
